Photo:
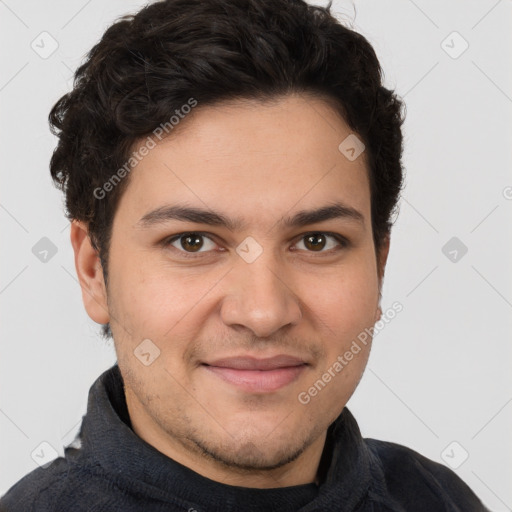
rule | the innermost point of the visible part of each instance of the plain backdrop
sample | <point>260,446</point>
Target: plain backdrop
<point>439,378</point>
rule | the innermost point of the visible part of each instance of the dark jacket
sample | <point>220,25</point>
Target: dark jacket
<point>114,470</point>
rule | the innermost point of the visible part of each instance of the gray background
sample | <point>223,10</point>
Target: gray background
<point>438,373</point>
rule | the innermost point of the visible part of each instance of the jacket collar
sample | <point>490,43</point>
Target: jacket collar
<point>109,442</point>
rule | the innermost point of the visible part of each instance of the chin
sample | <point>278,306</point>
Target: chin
<point>250,455</point>
<point>263,441</point>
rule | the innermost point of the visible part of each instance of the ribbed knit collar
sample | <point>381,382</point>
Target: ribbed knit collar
<point>109,442</point>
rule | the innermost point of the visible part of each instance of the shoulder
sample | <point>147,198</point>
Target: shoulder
<point>65,484</point>
<point>37,487</point>
<point>419,483</point>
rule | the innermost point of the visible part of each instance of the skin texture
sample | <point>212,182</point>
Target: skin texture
<point>259,162</point>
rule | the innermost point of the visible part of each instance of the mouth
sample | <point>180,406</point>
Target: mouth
<point>255,375</point>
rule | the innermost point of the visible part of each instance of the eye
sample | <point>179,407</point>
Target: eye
<point>317,242</point>
<point>191,242</point>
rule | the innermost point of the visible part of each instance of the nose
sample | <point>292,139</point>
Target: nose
<point>260,298</point>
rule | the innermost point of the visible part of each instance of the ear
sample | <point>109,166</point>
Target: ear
<point>90,273</point>
<point>382,257</point>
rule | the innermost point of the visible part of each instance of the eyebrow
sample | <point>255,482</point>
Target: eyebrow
<point>184,213</point>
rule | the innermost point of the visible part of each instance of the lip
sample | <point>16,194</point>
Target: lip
<point>255,363</point>
<point>255,375</point>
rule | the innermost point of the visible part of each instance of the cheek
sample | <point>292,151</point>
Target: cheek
<point>140,287</point>
<point>157,298</point>
<point>157,301</point>
<point>344,299</point>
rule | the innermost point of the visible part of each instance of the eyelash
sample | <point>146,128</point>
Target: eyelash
<point>343,242</point>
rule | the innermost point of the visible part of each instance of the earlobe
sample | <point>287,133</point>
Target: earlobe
<point>90,273</point>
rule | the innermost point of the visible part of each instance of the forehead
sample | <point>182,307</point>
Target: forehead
<point>251,158</point>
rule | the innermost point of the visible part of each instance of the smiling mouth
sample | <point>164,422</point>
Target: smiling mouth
<point>258,375</point>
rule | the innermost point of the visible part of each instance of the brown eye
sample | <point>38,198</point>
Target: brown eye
<point>191,243</point>
<point>322,243</point>
<point>315,242</point>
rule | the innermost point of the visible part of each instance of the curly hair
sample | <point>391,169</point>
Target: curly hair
<point>149,64</point>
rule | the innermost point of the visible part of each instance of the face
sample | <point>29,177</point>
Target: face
<point>225,317</point>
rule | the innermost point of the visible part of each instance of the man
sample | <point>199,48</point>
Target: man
<point>230,170</point>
